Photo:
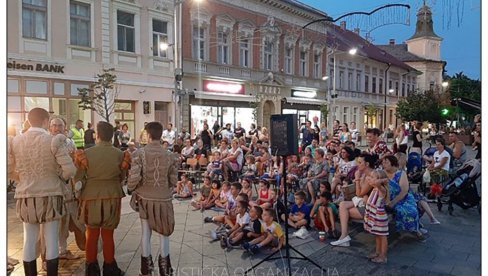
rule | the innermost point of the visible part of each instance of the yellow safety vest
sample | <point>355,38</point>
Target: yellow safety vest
<point>78,137</point>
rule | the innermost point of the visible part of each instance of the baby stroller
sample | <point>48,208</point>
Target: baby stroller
<point>462,189</point>
<point>414,168</point>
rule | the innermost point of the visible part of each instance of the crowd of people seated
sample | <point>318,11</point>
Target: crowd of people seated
<point>243,178</point>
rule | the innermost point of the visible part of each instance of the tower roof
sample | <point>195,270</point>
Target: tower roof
<point>425,24</point>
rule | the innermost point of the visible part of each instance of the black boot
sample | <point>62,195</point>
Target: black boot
<point>147,265</point>
<point>52,267</point>
<point>30,268</point>
<point>92,269</point>
<point>165,268</point>
<point>112,269</point>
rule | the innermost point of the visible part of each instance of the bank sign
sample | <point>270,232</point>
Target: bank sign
<point>39,67</point>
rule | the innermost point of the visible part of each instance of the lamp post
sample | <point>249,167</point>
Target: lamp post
<point>179,93</point>
<point>353,51</point>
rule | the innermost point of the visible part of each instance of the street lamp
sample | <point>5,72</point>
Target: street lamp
<point>177,59</point>
<point>445,84</point>
<point>333,96</point>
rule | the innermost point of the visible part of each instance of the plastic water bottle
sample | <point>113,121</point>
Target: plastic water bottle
<point>460,179</point>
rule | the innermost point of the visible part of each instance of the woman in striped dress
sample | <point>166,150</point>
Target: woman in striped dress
<point>376,218</point>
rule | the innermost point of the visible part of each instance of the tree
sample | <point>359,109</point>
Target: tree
<point>461,86</point>
<point>101,95</point>
<point>421,106</point>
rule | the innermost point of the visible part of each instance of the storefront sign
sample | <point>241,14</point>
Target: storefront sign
<point>304,94</point>
<point>223,87</point>
<point>40,67</point>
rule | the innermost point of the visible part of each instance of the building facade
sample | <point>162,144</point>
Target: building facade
<point>56,47</point>
<point>246,60</point>
<point>422,51</point>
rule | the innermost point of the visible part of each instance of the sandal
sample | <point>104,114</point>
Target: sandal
<point>379,260</point>
<point>373,255</point>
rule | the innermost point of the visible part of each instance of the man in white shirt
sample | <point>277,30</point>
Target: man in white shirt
<point>227,133</point>
<point>169,135</point>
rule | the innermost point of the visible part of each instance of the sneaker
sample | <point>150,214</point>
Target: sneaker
<point>213,235</point>
<point>246,246</point>
<point>342,242</point>
<point>420,236</point>
<point>435,221</point>
<point>423,231</point>
<point>254,249</point>
<point>223,242</point>
<point>208,219</point>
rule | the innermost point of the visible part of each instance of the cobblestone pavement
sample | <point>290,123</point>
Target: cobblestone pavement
<point>452,248</point>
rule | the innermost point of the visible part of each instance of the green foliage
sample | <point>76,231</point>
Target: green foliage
<point>101,95</point>
<point>421,106</point>
<point>461,86</point>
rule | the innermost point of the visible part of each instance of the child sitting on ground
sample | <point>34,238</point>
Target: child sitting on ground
<point>327,215</point>
<point>246,187</point>
<point>230,205</point>
<point>324,187</point>
<point>300,212</point>
<point>265,195</point>
<point>242,220</point>
<point>250,231</point>
<point>215,167</point>
<point>205,194</point>
<point>221,201</point>
<point>273,236</point>
<point>184,188</point>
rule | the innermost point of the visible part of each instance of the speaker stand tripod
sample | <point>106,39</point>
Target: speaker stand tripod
<point>287,245</point>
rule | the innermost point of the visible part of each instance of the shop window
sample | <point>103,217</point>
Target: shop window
<point>34,19</point>
<point>355,115</point>
<point>160,35</point>
<point>125,113</point>
<point>32,102</point>
<point>75,87</point>
<point>36,87</point>
<point>13,104</point>
<point>59,88</point>
<point>80,24</point>
<point>77,113</point>
<point>59,107</point>
<point>13,86</point>
<point>345,115</point>
<point>125,31</point>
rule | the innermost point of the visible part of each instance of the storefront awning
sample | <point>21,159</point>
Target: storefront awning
<point>304,101</point>
<point>223,97</point>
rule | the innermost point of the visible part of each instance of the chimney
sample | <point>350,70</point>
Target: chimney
<point>357,31</point>
<point>392,41</point>
<point>343,25</point>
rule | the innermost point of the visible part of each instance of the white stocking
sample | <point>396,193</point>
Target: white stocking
<point>164,243</point>
<point>51,236</point>
<point>31,235</point>
<point>145,238</point>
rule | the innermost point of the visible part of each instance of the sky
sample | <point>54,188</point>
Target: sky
<point>461,47</point>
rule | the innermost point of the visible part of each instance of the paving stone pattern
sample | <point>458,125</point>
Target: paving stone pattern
<point>452,248</point>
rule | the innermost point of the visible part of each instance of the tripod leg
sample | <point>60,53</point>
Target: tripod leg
<point>262,261</point>
<point>306,258</point>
